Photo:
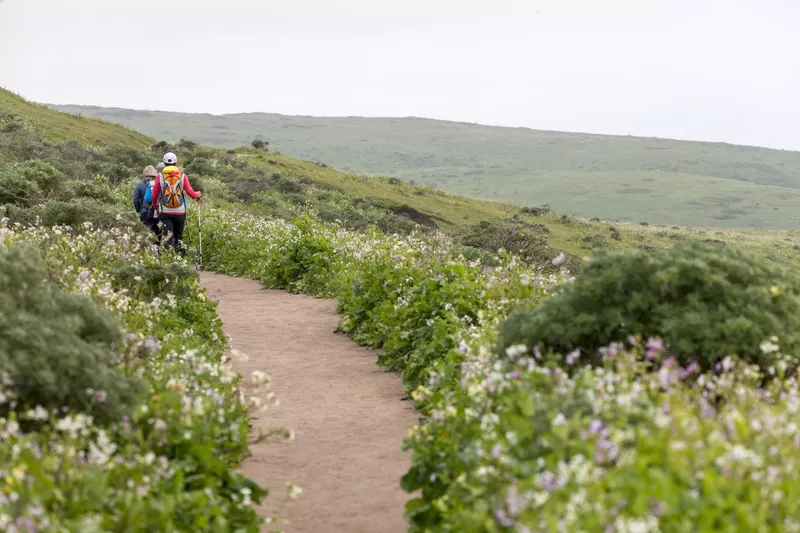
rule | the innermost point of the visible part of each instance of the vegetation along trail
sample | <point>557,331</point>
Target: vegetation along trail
<point>345,411</point>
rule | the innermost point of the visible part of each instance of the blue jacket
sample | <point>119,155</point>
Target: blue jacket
<point>148,198</point>
<point>138,196</point>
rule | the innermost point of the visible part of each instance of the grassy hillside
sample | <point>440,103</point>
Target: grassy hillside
<point>55,126</point>
<point>626,178</point>
<point>279,185</point>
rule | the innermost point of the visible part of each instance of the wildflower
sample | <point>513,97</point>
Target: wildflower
<point>294,490</point>
<point>502,518</point>
<point>11,428</point>
<point>37,413</point>
<point>559,259</point>
<point>655,344</point>
<point>596,426</point>
<point>152,344</point>
<point>515,351</point>
<point>74,425</point>
<point>257,377</point>
<point>689,370</point>
<point>768,347</point>
<point>573,356</point>
<point>496,450</point>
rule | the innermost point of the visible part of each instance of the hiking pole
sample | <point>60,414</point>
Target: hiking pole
<point>200,232</point>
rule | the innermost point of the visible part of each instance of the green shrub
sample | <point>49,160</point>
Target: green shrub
<point>55,346</point>
<point>507,235</point>
<point>157,280</point>
<point>200,165</point>
<point>28,183</point>
<point>16,190</point>
<point>71,213</point>
<point>705,302</point>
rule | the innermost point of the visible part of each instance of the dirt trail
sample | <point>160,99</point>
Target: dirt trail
<point>345,411</point>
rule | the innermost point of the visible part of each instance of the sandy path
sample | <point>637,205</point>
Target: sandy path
<point>346,412</point>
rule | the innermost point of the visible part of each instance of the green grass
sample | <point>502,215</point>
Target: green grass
<point>453,213</point>
<point>578,236</point>
<point>56,126</point>
<point>627,178</point>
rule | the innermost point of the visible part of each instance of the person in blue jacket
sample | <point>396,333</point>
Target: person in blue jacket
<point>148,175</point>
<point>148,213</point>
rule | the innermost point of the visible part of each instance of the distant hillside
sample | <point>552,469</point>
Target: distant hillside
<point>59,127</point>
<point>278,185</point>
<point>625,178</point>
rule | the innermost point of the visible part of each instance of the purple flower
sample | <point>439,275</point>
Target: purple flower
<point>596,426</point>
<point>550,482</point>
<point>26,524</point>
<point>605,450</point>
<point>631,340</point>
<point>496,450</point>
<point>689,370</point>
<point>655,344</point>
<point>513,501</point>
<point>610,351</point>
<point>573,356</point>
<point>516,374</point>
<point>503,518</point>
<point>152,344</point>
<point>665,378</point>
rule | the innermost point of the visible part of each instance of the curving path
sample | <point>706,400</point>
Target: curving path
<point>345,411</point>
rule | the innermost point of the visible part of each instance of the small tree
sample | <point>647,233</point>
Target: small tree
<point>187,144</point>
<point>260,144</point>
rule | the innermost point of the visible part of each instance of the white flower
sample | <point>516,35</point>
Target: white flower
<point>294,490</point>
<point>257,377</point>
<point>74,425</point>
<point>515,351</point>
<point>37,413</point>
<point>768,347</point>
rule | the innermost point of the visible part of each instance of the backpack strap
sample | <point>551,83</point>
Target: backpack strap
<point>161,185</point>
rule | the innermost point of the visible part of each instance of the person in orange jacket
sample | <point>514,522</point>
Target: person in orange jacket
<point>169,193</point>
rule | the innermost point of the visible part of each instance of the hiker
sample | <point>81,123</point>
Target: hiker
<point>149,213</point>
<point>148,174</point>
<point>169,197</point>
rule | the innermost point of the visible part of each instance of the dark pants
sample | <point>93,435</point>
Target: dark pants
<point>152,224</point>
<point>173,231</point>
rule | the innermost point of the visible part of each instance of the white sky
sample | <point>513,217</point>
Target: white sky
<point>720,70</point>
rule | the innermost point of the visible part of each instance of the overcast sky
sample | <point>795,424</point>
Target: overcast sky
<point>719,70</point>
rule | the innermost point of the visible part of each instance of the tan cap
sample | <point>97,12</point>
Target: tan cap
<point>149,172</point>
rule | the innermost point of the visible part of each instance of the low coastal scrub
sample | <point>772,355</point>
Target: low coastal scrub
<point>119,411</point>
<point>522,435</point>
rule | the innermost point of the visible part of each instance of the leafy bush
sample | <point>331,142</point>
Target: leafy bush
<point>174,455</point>
<point>29,183</point>
<point>506,235</point>
<point>56,346</point>
<point>200,165</point>
<point>72,213</point>
<point>706,303</point>
<point>260,144</point>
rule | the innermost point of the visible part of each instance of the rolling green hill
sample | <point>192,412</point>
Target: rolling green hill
<point>625,178</point>
<point>55,126</point>
<point>277,184</point>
